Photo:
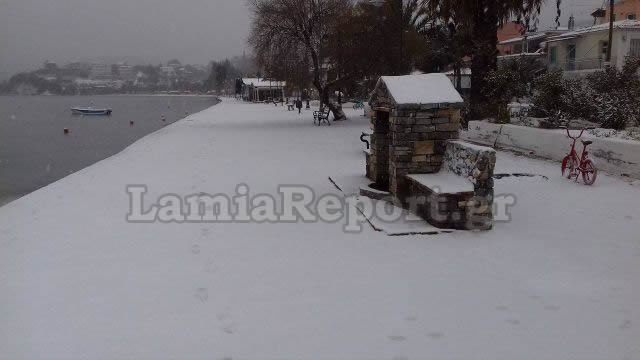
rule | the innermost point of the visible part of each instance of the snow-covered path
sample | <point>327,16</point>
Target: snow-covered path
<point>559,281</point>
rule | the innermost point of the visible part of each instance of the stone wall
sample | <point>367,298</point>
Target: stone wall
<point>418,143</point>
<point>465,210</point>
<point>378,159</point>
<point>445,211</point>
<point>615,156</point>
<point>476,163</point>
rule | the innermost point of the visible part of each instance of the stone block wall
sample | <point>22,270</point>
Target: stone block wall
<point>445,211</point>
<point>378,160</point>
<point>418,139</point>
<point>463,211</point>
<point>372,154</point>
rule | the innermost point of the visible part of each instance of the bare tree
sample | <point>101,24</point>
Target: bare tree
<point>299,29</point>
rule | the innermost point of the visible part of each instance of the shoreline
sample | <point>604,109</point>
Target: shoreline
<point>12,197</point>
<point>9,199</point>
<point>150,286</point>
<point>145,95</point>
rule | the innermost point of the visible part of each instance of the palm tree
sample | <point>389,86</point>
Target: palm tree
<point>481,19</point>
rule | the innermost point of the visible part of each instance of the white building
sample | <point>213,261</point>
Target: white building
<point>584,50</point>
<point>126,73</point>
<point>256,89</point>
<point>100,72</point>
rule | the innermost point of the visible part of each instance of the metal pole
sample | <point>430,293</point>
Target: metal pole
<point>611,18</point>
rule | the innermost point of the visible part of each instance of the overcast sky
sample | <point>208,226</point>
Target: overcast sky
<point>153,31</point>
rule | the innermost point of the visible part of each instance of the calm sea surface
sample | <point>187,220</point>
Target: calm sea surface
<point>34,151</point>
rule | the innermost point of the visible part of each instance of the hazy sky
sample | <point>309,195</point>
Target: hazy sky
<point>194,31</point>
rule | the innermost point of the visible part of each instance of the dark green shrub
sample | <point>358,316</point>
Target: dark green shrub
<point>609,97</point>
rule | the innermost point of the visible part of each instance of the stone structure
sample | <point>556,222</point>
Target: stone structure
<point>410,130</point>
<point>413,120</point>
<point>460,195</point>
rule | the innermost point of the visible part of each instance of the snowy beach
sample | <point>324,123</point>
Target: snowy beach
<point>560,280</point>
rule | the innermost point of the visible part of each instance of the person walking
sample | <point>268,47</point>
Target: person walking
<point>299,106</point>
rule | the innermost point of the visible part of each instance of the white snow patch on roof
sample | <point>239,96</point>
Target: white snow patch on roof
<point>521,38</point>
<point>623,24</point>
<point>463,71</point>
<point>263,83</point>
<point>433,88</point>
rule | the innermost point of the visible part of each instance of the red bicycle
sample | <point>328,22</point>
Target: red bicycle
<point>574,166</point>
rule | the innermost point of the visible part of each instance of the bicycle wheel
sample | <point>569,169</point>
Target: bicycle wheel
<point>589,172</point>
<point>568,166</point>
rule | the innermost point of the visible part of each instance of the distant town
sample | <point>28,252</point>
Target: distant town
<point>88,78</point>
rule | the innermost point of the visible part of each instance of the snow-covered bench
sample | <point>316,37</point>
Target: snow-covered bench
<point>460,195</point>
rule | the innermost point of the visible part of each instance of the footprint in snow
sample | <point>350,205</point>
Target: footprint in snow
<point>627,324</point>
<point>210,266</point>
<point>397,338</point>
<point>202,294</point>
<point>228,326</point>
<point>195,249</point>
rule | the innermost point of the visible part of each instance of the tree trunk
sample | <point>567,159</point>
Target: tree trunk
<point>323,90</point>
<point>334,106</point>
<point>484,56</point>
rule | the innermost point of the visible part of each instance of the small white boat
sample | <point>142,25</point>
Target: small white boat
<point>90,111</point>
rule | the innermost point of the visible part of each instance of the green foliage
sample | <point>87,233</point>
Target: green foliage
<point>511,80</point>
<point>548,91</point>
<point>608,97</point>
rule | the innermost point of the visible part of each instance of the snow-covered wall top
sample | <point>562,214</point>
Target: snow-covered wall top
<point>424,90</point>
<point>615,156</point>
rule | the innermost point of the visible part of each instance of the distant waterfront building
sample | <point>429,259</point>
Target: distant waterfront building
<point>25,89</point>
<point>126,73</point>
<point>168,71</point>
<point>257,89</point>
<point>100,72</point>
<point>140,80</point>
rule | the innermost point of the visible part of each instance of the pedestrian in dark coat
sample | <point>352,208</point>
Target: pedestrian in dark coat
<point>299,106</point>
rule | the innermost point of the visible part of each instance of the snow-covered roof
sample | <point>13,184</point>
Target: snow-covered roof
<point>463,71</point>
<point>426,90</point>
<point>618,25</point>
<point>538,53</point>
<point>263,83</point>
<point>519,39</point>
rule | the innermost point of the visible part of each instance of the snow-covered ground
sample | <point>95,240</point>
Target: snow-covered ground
<point>561,280</point>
